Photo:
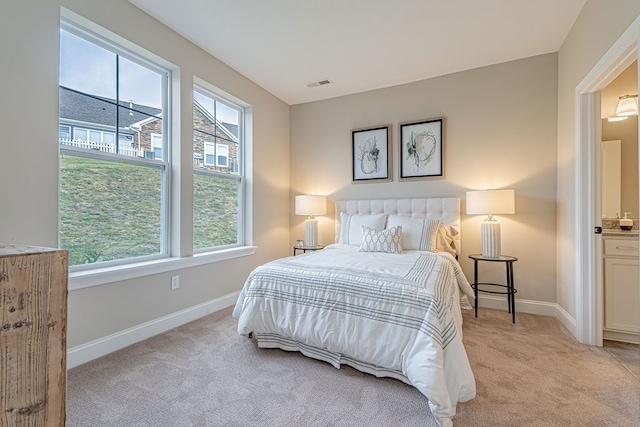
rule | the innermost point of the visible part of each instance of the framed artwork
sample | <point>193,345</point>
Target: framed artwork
<point>371,154</point>
<point>421,150</point>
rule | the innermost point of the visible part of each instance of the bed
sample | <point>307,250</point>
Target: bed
<point>386,298</point>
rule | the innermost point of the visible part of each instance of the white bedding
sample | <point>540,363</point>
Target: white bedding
<point>394,315</point>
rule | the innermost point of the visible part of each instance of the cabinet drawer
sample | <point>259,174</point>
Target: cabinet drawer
<point>625,247</point>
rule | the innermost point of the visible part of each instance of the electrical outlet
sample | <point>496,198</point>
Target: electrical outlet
<point>175,282</point>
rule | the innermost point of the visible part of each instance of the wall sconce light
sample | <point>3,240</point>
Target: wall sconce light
<point>627,106</point>
<point>491,202</point>
<point>311,205</point>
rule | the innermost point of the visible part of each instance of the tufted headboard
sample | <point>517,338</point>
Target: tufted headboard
<point>446,208</point>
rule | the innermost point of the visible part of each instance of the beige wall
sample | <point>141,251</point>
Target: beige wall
<point>596,29</point>
<point>29,160</point>
<point>500,132</point>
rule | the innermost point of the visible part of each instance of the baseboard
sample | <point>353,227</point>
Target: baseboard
<point>621,336</point>
<point>567,320</point>
<point>522,305</point>
<point>84,353</point>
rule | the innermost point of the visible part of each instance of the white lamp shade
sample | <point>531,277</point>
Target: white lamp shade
<point>491,202</point>
<point>626,107</point>
<point>311,205</point>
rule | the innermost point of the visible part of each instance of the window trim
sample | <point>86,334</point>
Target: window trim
<point>109,274</point>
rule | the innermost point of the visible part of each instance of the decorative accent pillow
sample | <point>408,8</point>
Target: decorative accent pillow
<point>417,234</point>
<point>445,239</point>
<point>388,241</point>
<point>350,226</point>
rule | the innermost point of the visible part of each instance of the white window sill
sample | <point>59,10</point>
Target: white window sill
<point>101,276</point>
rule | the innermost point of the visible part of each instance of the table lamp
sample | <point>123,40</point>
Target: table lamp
<point>311,205</point>
<point>490,202</point>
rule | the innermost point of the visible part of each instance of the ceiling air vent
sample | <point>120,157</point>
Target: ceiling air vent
<point>319,83</point>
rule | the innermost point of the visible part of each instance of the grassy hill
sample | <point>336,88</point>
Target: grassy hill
<point>111,210</point>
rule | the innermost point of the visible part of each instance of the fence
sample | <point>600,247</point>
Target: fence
<point>102,146</point>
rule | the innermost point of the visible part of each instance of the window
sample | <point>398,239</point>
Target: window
<point>217,188</point>
<point>64,132</point>
<point>112,200</point>
<point>222,155</point>
<point>209,154</point>
<point>216,155</point>
<point>156,145</point>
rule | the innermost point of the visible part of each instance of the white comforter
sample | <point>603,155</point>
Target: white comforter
<point>387,314</point>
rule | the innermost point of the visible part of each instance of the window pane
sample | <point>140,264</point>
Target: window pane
<point>215,211</point>
<point>216,121</point>
<point>95,136</point>
<point>64,132</point>
<point>86,67</point>
<point>223,155</point>
<point>80,134</point>
<point>108,211</point>
<point>108,138</point>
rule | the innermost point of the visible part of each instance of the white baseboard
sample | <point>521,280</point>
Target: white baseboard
<point>84,353</point>
<point>522,305</point>
<point>92,350</point>
<point>567,320</point>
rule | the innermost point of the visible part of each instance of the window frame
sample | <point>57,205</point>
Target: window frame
<point>163,164</point>
<point>206,89</point>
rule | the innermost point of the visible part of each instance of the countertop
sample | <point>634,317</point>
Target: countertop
<point>616,232</point>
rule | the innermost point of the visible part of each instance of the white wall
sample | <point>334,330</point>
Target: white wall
<point>599,25</point>
<point>29,160</point>
<point>500,132</point>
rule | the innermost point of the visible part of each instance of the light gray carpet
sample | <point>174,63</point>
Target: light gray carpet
<point>532,373</point>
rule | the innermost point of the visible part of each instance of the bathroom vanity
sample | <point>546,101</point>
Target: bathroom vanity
<point>621,286</point>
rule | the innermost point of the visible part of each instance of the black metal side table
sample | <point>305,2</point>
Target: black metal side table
<point>304,249</point>
<point>510,292</point>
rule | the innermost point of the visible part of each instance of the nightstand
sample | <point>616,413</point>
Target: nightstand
<point>304,249</point>
<point>510,290</point>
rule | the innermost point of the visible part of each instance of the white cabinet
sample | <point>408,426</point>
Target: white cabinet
<point>621,289</point>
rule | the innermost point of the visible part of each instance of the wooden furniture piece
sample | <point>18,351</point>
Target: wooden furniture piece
<point>621,289</point>
<point>33,328</point>
<point>510,289</point>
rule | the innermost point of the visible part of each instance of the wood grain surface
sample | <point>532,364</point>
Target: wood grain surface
<point>33,326</point>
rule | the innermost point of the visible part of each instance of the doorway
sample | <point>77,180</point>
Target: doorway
<point>589,271</point>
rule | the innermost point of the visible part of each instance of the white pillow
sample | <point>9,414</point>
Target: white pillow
<point>388,241</point>
<point>417,234</point>
<point>350,226</point>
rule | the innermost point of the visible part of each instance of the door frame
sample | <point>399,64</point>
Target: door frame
<point>589,278</point>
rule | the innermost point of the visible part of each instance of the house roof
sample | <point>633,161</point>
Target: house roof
<point>83,107</point>
<point>228,128</point>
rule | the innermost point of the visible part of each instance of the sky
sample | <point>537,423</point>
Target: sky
<point>91,69</point>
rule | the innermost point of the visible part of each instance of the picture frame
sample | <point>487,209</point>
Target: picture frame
<point>421,149</point>
<point>371,154</point>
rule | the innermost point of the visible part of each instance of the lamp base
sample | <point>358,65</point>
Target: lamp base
<point>490,232</point>
<point>311,232</point>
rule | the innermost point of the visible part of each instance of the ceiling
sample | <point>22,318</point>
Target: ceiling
<point>360,45</point>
